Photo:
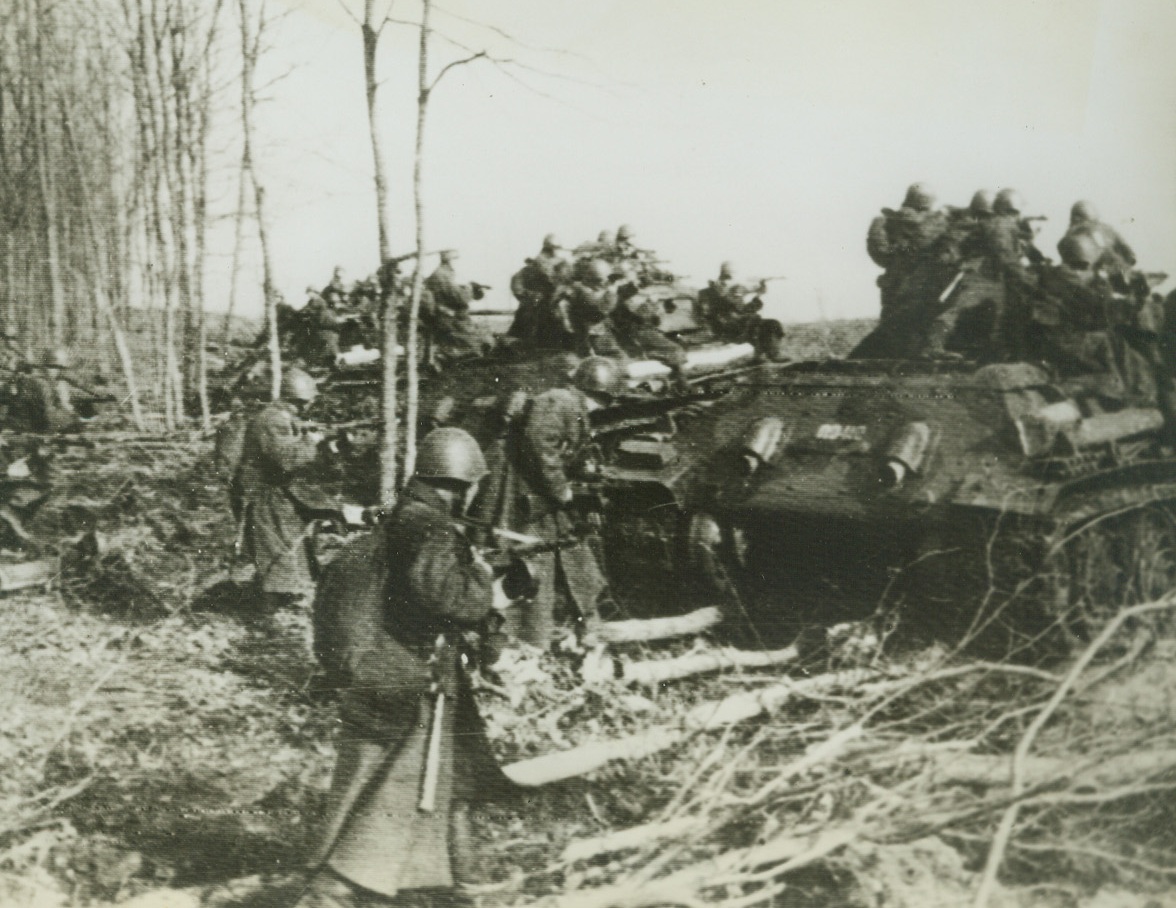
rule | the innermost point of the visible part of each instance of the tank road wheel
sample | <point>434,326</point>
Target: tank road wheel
<point>1098,558</point>
<point>1154,543</point>
<point>1111,564</point>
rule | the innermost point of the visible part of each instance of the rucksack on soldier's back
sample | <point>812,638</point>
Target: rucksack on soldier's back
<point>351,638</point>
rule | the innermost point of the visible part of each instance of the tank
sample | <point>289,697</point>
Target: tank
<point>984,502</point>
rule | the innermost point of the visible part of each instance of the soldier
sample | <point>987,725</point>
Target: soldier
<point>335,293</point>
<point>623,246</point>
<point>278,500</point>
<point>731,309</point>
<point>536,286</point>
<point>903,242</point>
<point>446,311</point>
<point>636,322</point>
<point>321,320</point>
<point>43,399</point>
<point>586,310</point>
<point>960,251</point>
<point>1118,258</point>
<point>1075,327</point>
<point>392,615</point>
<point>532,490</point>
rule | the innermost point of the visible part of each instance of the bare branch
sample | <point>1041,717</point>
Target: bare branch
<point>480,55</point>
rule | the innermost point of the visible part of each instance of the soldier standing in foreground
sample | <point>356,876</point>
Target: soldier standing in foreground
<point>531,492</point>
<point>277,498</point>
<point>391,615</point>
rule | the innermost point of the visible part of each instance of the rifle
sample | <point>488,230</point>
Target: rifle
<point>428,801</point>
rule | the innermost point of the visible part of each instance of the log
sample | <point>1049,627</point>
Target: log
<point>644,630</point>
<point>28,574</point>
<point>684,887</point>
<point>633,837</point>
<point>996,771</point>
<point>658,671</point>
<point>706,716</point>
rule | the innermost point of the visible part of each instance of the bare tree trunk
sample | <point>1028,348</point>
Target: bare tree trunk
<point>238,238</point>
<point>250,48</point>
<point>390,352</point>
<point>418,273</point>
<point>45,172</point>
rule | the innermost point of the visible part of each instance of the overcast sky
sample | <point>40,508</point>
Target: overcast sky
<point>768,132</point>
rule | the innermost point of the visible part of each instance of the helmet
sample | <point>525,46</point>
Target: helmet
<point>1008,201</point>
<point>57,358</point>
<point>297,385</point>
<point>450,453</point>
<point>1083,213</point>
<point>1079,250</point>
<point>598,272</point>
<point>448,256</point>
<point>624,232</point>
<point>981,202</point>
<point>726,271</point>
<point>551,243</point>
<point>599,375</point>
<point>919,197</point>
<point>604,237</point>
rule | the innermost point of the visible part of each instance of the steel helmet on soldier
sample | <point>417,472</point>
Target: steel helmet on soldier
<point>550,243</point>
<point>919,197</point>
<point>598,272</point>
<point>599,375</point>
<point>604,237</point>
<point>727,271</point>
<point>450,453</point>
<point>57,358</point>
<point>297,385</point>
<point>1008,201</point>
<point>981,202</point>
<point>1083,212</point>
<point>624,232</point>
<point>1079,250</point>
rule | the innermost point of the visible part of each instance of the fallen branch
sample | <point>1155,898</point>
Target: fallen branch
<point>645,630</point>
<point>1021,754</point>
<point>707,716</point>
<point>659,671</point>
<point>28,574</point>
<point>633,837</point>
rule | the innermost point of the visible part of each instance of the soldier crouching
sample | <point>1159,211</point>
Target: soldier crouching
<point>391,615</point>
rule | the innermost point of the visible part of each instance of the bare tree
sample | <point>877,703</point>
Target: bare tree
<point>390,352</point>
<point>250,49</point>
<point>425,89</point>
